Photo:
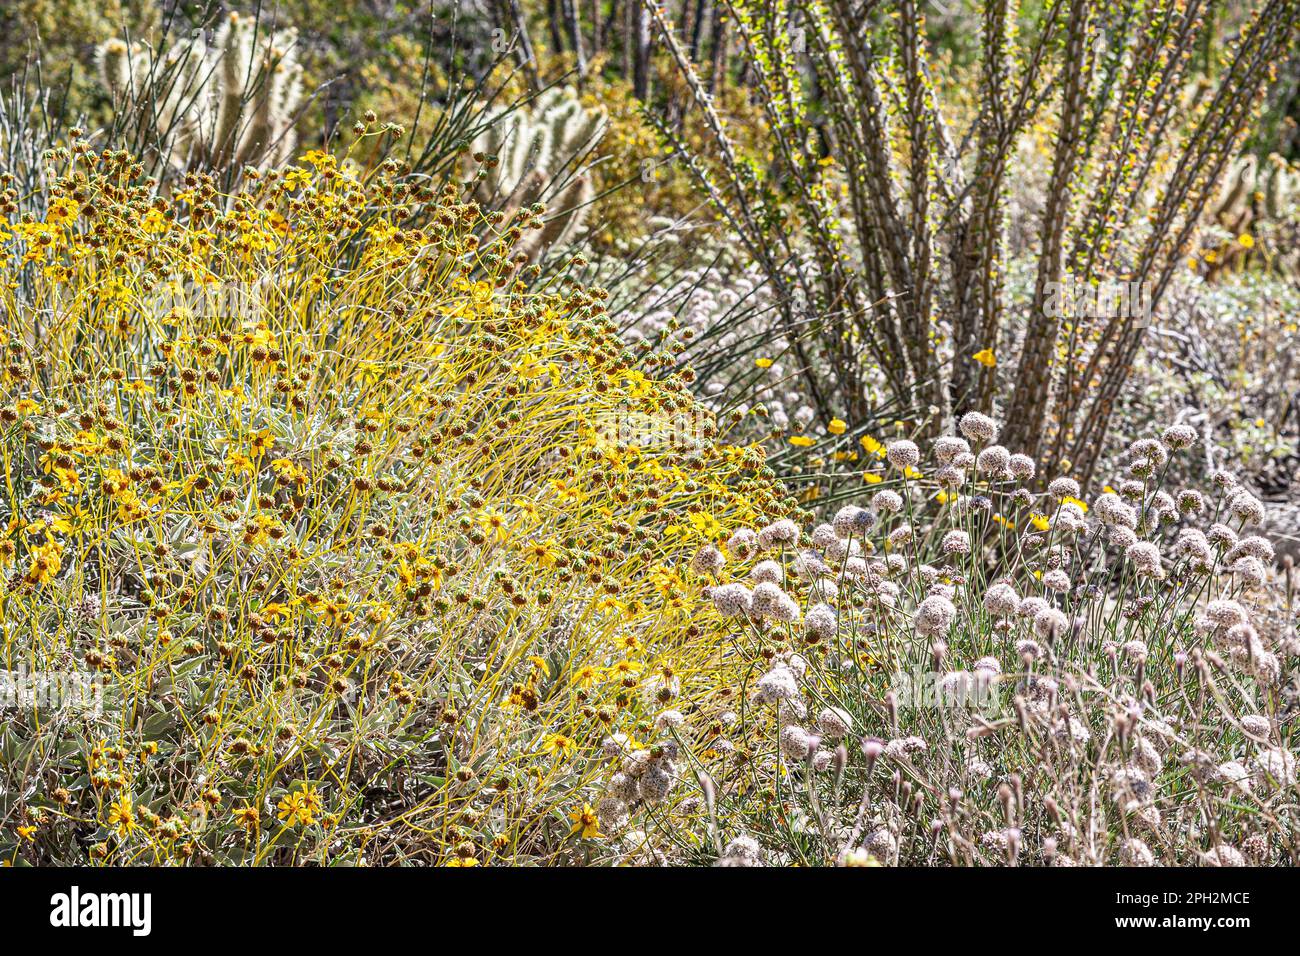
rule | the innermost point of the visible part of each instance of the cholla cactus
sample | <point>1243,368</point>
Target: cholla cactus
<point>1257,201</point>
<point>226,102</point>
<point>539,153</point>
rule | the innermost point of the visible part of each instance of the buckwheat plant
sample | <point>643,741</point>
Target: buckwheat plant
<point>963,669</point>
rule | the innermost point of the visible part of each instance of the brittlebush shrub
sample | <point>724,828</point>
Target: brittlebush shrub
<point>332,508</point>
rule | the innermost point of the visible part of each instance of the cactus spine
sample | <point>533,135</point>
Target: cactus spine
<point>230,101</point>
<point>540,152</point>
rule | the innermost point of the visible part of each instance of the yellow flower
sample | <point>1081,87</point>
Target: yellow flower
<point>873,447</point>
<point>288,472</point>
<point>405,576</point>
<point>986,358</point>
<point>558,745</point>
<point>528,509</point>
<point>1083,506</point>
<point>27,407</point>
<point>585,823</point>
<point>261,442</point>
<point>154,221</point>
<point>295,177</point>
<point>288,807</point>
<point>802,441</point>
<point>63,209</point>
<point>495,524</point>
<point>542,553</point>
<point>763,362</point>
<point>566,491</point>
<point>705,524</point>
<point>275,611</point>
<point>245,817</point>
<point>1246,240</point>
<point>300,807</point>
<point>121,816</point>
<point>836,426</point>
<point>336,613</point>
<point>311,800</point>
<point>47,559</point>
<point>69,480</point>
<point>1039,521</point>
<point>871,478</point>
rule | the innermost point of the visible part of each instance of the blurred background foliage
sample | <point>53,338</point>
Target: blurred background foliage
<point>389,56</point>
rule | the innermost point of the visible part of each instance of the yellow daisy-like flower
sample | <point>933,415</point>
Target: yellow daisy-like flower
<point>585,823</point>
<point>495,525</point>
<point>47,559</point>
<point>245,817</point>
<point>300,807</point>
<point>542,553</point>
<point>261,442</point>
<point>836,426</point>
<point>239,463</point>
<point>986,358</point>
<point>121,816</point>
<point>565,490</point>
<point>63,209</point>
<point>154,222</point>
<point>559,746</point>
<point>288,807</point>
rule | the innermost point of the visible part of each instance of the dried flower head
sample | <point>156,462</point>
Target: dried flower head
<point>978,428</point>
